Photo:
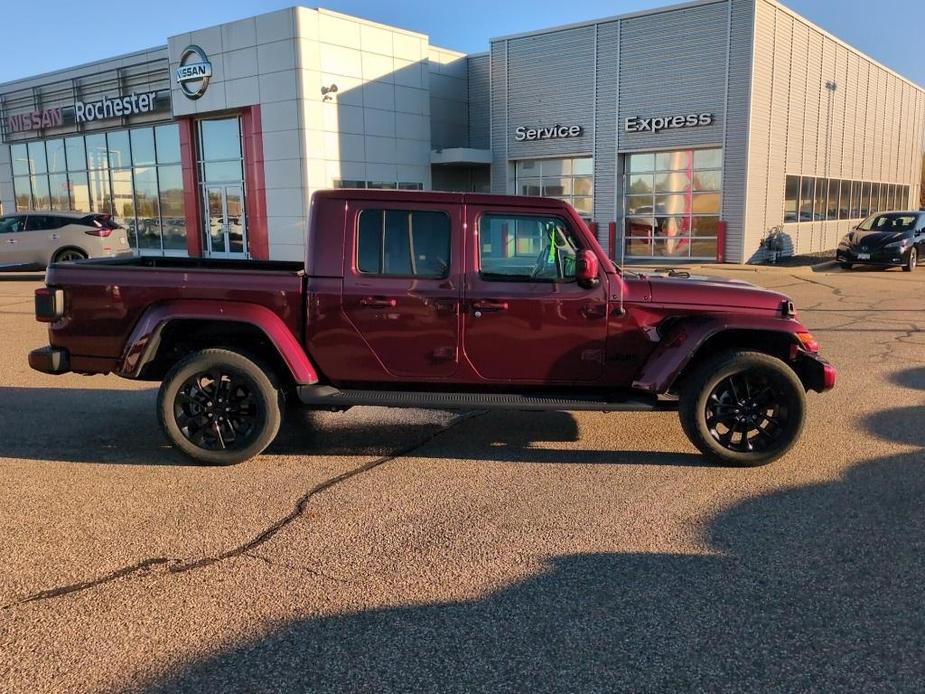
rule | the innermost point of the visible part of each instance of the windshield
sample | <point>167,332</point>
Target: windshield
<point>895,221</point>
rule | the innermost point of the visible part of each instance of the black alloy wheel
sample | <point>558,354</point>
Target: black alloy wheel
<point>220,407</point>
<point>743,408</point>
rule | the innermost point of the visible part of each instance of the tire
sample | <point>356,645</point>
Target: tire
<point>845,266</point>
<point>911,261</point>
<point>68,255</point>
<point>708,401</point>
<point>248,416</point>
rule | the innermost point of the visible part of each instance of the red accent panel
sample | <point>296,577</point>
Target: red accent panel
<point>191,199</point>
<point>721,242</point>
<point>593,227</point>
<point>143,341</point>
<point>258,238</point>
<point>612,240</point>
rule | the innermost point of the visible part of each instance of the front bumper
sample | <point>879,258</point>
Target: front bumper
<point>50,360</point>
<point>815,372</point>
<point>877,256</point>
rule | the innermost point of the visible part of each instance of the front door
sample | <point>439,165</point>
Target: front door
<point>226,231</point>
<point>13,240</point>
<point>401,289</point>
<point>526,319</point>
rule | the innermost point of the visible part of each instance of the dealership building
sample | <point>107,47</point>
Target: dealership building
<point>695,131</point>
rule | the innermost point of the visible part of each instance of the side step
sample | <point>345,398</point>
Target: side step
<point>328,396</point>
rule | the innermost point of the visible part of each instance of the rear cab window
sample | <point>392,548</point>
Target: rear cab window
<point>403,243</point>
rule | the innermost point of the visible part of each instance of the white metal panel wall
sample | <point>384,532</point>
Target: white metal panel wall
<point>870,128</point>
<point>498,111</point>
<point>608,183</point>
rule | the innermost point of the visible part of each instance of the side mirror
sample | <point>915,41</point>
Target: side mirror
<point>586,269</point>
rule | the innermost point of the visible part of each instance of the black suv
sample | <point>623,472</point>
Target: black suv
<point>887,239</point>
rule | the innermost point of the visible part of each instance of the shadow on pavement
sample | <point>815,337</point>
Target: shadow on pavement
<point>120,427</point>
<point>813,588</point>
<point>6,276</point>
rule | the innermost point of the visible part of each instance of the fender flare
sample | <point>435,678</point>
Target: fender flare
<point>141,346</point>
<point>685,338</point>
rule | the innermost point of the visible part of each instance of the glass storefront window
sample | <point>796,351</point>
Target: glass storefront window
<point>221,139</point>
<point>120,153</point>
<point>20,156</point>
<point>123,198</point>
<point>172,207</point>
<point>672,203</point>
<point>22,190</point>
<point>57,184</point>
<point>76,153</point>
<point>41,199</point>
<point>79,188</point>
<point>37,163</point>
<point>568,179</point>
<point>142,146</point>
<point>96,152</point>
<point>55,154</point>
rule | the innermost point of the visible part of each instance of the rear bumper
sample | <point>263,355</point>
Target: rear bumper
<point>50,360</point>
<point>816,373</point>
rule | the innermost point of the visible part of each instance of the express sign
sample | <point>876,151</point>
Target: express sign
<point>654,125</point>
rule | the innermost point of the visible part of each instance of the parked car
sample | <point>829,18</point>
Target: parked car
<point>887,239</point>
<point>34,240</point>
<point>435,300</point>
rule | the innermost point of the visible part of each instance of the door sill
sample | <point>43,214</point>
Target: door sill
<point>328,396</point>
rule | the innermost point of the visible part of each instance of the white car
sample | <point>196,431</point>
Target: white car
<point>34,240</point>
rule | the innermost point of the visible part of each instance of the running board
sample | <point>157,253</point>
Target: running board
<point>328,396</point>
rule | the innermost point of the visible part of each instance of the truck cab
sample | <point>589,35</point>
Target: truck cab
<point>435,300</point>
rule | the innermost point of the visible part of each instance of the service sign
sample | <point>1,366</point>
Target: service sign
<point>554,132</point>
<point>636,124</point>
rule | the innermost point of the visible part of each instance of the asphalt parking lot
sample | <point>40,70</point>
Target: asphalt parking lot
<point>403,550</point>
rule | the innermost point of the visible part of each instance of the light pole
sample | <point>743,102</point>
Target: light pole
<point>831,87</point>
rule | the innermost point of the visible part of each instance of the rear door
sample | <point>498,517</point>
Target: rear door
<point>526,318</point>
<point>13,246</point>
<point>42,237</point>
<point>402,289</point>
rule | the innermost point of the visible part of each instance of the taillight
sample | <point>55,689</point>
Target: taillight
<point>102,232</point>
<point>49,304</point>
<point>809,344</point>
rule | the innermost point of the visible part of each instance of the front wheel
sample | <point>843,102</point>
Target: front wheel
<point>845,266</point>
<point>219,407</point>
<point>743,408</point>
<point>911,261</point>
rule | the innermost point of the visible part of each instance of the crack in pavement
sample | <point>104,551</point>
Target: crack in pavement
<point>178,565</point>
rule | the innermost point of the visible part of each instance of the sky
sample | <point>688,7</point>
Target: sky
<point>70,33</point>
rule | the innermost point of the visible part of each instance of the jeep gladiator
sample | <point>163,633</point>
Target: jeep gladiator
<point>434,300</point>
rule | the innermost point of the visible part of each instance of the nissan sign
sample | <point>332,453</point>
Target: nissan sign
<point>555,132</point>
<point>194,72</point>
<point>658,123</point>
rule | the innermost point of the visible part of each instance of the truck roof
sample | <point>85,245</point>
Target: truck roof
<point>431,196</point>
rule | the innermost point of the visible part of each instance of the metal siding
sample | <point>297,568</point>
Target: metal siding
<point>551,81</point>
<point>479,101</point>
<point>688,78</point>
<point>607,183</point>
<point>763,127</point>
<point>499,101</point>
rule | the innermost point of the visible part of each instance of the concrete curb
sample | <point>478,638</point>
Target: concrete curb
<point>827,265</point>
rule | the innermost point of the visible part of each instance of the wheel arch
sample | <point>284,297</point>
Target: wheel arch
<point>68,247</point>
<point>690,343</point>
<point>168,331</point>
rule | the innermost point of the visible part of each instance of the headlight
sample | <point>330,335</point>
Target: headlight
<point>897,245</point>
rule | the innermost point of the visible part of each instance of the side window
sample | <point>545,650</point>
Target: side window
<point>920,224</point>
<point>37,222</point>
<point>9,225</point>
<point>526,248</point>
<point>404,243</point>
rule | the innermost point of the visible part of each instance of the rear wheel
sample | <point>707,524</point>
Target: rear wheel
<point>743,408</point>
<point>911,261</point>
<point>845,266</point>
<point>69,255</point>
<point>219,407</point>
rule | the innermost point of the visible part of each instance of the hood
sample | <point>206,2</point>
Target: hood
<point>713,292</point>
<point>876,239</point>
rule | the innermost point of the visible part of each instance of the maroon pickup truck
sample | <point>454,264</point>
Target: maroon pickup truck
<point>435,300</point>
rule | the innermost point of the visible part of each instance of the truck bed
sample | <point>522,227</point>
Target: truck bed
<point>105,298</point>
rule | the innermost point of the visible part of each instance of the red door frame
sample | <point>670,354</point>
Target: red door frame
<point>255,187</point>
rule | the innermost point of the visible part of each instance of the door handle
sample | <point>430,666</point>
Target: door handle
<point>11,241</point>
<point>592,311</point>
<point>378,302</point>
<point>487,305</point>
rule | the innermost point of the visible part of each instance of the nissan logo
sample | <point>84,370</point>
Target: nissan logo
<point>194,72</point>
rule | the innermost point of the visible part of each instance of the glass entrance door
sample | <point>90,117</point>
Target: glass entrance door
<point>226,231</point>
<point>221,174</point>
